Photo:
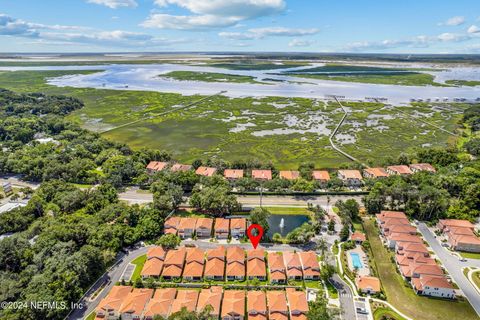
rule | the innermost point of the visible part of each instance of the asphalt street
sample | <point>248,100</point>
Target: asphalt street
<point>453,266</point>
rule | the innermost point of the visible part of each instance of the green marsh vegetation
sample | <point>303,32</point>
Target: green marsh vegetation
<point>208,77</point>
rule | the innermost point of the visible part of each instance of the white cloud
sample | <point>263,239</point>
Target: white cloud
<point>55,34</point>
<point>453,21</point>
<point>260,33</point>
<point>212,13</point>
<point>114,4</point>
<point>455,37</point>
<point>473,29</point>
<point>300,43</point>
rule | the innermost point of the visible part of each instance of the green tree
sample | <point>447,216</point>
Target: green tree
<point>169,241</point>
<point>260,216</point>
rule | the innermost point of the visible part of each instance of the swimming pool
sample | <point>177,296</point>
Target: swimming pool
<point>357,263</point>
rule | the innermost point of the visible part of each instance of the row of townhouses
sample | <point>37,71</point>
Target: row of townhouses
<point>219,228</point>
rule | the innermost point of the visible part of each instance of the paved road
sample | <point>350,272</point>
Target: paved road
<point>346,297</point>
<point>454,266</point>
<point>111,277</point>
<point>132,196</point>
<point>16,182</point>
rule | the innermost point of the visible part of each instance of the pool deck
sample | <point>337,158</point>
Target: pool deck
<point>364,270</point>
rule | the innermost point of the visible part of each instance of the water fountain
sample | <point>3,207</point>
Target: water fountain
<point>282,223</point>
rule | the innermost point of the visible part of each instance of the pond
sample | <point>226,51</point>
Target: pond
<point>290,222</point>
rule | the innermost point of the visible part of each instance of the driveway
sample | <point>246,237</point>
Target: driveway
<point>454,266</point>
<point>345,296</point>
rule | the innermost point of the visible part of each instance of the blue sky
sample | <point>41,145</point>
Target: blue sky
<point>421,26</point>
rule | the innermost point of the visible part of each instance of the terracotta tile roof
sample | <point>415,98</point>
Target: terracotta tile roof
<point>156,252</point>
<point>289,174</point>
<point>350,174</point>
<point>358,236</point>
<point>309,260</point>
<point>206,171</point>
<point>401,228</point>
<point>275,261</point>
<point>256,268</point>
<point>412,247</point>
<point>218,252</point>
<point>233,303</point>
<point>195,261</point>
<point>114,299</point>
<point>432,282</point>
<point>173,264</point>
<point>262,174</point>
<point>392,214</point>
<point>389,222</point>
<point>204,223</point>
<point>422,167</point>
<point>195,254</point>
<point>277,305</point>
<point>235,269</point>
<point>222,224</point>
<point>376,172</point>
<point>235,253</point>
<point>180,167</point>
<point>401,169</point>
<point>368,283</point>
<point>463,239</point>
<point>293,264</point>
<point>214,267</point>
<point>402,237</point>
<point>185,299</point>
<point>456,223</point>
<point>136,301</point>
<point>297,302</point>
<point>161,303</point>
<point>238,224</point>
<point>212,297</point>
<point>428,269</point>
<point>321,175</point>
<point>170,231</point>
<point>172,222</point>
<point>187,223</point>
<point>460,231</point>
<point>152,268</point>
<point>233,173</point>
<point>257,305</point>
<point>156,165</point>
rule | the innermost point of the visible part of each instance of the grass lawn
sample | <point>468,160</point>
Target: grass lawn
<point>91,316</point>
<point>208,77</point>
<point>289,210</point>
<point>476,278</point>
<point>382,313</point>
<point>138,262</point>
<point>402,296</point>
<point>332,291</point>
<point>463,83</point>
<point>470,255</point>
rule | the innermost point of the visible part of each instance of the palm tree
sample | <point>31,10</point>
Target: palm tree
<point>322,246</point>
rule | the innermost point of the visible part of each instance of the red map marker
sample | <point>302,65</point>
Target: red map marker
<point>255,239</point>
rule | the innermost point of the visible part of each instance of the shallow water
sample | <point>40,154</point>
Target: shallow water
<point>145,77</point>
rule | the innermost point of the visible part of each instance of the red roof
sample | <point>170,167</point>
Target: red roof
<point>422,167</point>
<point>376,172</point>
<point>401,169</point>
<point>321,175</point>
<point>289,174</point>
<point>350,174</point>
<point>262,174</point>
<point>233,173</point>
<point>358,236</point>
<point>156,165</point>
<point>206,171</point>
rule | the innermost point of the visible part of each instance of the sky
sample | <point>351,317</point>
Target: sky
<point>359,26</point>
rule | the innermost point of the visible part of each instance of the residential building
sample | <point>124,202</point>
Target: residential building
<point>233,174</point>
<point>467,243</point>
<point>134,303</point>
<point>186,227</point>
<point>215,266</point>
<point>350,178</point>
<point>222,228</point>
<point>445,224</point>
<point>321,176</point>
<point>293,265</point>
<point>211,297</point>
<point>109,307</point>
<point>401,170</point>
<point>233,305</point>
<point>160,304</point>
<point>297,304</point>
<point>277,305</point>
<point>276,268</point>
<point>256,267</point>
<point>180,167</point>
<point>289,174</point>
<point>358,237</point>
<point>203,227</point>
<point>156,166</point>
<point>368,285</point>
<point>375,173</point>
<point>402,237</point>
<point>235,264</point>
<point>434,286</point>
<point>171,225</point>
<point>238,227</point>
<point>194,263</point>
<point>422,167</point>
<point>185,299</point>
<point>310,266</point>
<point>262,174</point>
<point>154,264</point>
<point>460,235</point>
<point>206,171</point>
<point>257,305</point>
<point>173,264</point>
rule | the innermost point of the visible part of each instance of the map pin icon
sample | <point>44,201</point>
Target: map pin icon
<point>255,236</point>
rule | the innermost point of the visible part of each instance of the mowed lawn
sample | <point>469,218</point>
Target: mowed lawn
<point>402,296</point>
